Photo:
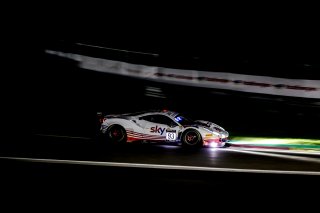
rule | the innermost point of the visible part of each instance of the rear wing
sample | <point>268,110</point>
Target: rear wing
<point>100,117</point>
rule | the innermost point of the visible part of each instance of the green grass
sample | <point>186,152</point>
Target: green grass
<point>274,141</point>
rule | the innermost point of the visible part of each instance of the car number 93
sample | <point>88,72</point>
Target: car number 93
<point>171,136</point>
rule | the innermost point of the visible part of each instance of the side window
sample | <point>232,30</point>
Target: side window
<point>149,118</point>
<point>162,119</point>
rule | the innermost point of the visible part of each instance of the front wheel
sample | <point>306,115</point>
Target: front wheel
<point>191,138</point>
<point>116,134</point>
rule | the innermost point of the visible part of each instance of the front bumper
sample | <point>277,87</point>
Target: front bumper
<point>215,142</point>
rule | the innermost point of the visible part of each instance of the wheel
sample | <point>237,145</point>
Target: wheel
<point>116,134</point>
<point>191,138</point>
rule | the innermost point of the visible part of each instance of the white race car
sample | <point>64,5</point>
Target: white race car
<point>162,126</point>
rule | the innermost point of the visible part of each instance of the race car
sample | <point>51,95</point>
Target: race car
<point>161,126</point>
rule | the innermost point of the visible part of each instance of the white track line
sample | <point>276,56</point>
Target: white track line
<point>284,156</point>
<point>159,166</point>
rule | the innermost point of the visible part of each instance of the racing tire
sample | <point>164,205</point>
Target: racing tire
<point>191,138</point>
<point>116,134</point>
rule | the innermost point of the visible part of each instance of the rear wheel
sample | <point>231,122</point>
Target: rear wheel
<point>191,138</point>
<point>116,134</point>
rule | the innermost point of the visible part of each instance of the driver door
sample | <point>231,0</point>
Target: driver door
<point>160,128</point>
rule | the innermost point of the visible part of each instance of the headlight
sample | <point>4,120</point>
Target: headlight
<point>209,130</point>
<point>213,145</point>
<point>212,132</point>
<point>225,135</point>
<point>216,133</point>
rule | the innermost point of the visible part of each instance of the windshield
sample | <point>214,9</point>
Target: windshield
<point>184,121</point>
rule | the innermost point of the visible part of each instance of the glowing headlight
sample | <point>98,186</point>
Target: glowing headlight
<point>213,145</point>
<point>217,134</point>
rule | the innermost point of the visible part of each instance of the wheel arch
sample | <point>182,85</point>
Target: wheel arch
<point>189,128</point>
<point>201,142</point>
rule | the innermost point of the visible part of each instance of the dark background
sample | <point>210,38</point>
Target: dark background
<point>270,40</point>
<point>67,98</point>
<point>52,95</point>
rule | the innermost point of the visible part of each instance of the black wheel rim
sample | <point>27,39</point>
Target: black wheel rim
<point>191,138</point>
<point>116,134</point>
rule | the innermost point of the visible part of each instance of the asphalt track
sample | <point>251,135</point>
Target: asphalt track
<point>76,171</point>
<point>87,149</point>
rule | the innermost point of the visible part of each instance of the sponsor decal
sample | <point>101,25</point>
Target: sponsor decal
<point>220,80</point>
<point>157,129</point>
<point>171,136</point>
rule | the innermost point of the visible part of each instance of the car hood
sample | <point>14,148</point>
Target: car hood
<point>211,126</point>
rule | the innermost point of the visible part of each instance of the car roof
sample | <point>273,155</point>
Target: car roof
<point>169,113</point>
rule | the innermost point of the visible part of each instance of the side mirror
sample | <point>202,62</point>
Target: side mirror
<point>172,125</point>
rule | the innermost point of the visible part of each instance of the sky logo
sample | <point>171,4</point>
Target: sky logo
<point>157,129</point>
